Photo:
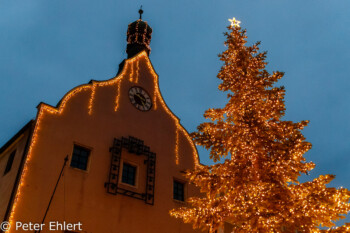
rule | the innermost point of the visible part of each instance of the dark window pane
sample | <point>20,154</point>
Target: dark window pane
<point>179,193</point>
<point>10,162</point>
<point>129,174</point>
<point>80,157</point>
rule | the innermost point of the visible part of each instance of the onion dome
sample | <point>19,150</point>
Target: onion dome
<point>138,37</point>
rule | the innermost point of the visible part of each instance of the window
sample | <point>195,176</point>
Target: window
<point>129,174</point>
<point>80,157</point>
<point>10,162</point>
<point>179,191</point>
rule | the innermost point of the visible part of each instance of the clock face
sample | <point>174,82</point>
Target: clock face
<point>140,99</point>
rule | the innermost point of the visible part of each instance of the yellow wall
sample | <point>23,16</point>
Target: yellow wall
<point>92,116</point>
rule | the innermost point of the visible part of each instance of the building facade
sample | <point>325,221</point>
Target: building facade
<point>109,157</point>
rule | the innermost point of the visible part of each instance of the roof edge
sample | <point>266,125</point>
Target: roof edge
<point>17,135</point>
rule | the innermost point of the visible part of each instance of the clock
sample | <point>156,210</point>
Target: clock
<point>140,98</point>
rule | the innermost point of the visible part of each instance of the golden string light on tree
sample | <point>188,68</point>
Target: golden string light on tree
<point>256,189</point>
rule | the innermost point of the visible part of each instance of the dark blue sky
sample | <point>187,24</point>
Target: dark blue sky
<point>49,47</point>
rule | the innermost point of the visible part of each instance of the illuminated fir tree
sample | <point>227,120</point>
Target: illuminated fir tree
<point>256,188</point>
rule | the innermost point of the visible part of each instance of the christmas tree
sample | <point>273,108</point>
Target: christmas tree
<point>256,188</point>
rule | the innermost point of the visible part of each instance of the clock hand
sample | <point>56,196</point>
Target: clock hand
<point>141,97</point>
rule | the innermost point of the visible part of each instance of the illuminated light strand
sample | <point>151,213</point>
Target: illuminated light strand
<point>60,109</point>
<point>195,154</point>
<point>92,98</point>
<point>177,146</point>
<point>132,71</point>
<point>137,72</point>
<point>137,29</point>
<point>154,100</point>
<point>25,170</point>
<point>116,80</point>
<point>113,81</point>
<point>155,80</point>
<point>118,96</point>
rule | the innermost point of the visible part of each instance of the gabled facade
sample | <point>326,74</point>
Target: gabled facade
<point>110,156</point>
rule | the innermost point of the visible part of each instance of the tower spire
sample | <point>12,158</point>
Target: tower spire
<point>141,12</point>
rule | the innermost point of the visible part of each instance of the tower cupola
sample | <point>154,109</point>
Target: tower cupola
<point>138,37</point>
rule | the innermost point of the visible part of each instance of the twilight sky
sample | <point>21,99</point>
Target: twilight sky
<point>49,47</point>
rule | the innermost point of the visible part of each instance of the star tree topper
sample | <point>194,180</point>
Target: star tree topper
<point>234,22</point>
